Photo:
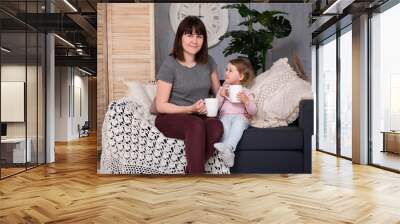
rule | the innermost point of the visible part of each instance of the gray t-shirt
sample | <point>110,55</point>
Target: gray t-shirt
<point>188,84</point>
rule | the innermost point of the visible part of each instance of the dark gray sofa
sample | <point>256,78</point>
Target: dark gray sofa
<point>277,150</point>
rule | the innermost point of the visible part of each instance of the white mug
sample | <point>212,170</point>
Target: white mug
<point>233,92</point>
<point>212,106</point>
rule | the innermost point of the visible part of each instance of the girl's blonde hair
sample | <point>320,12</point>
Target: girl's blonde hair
<point>243,65</point>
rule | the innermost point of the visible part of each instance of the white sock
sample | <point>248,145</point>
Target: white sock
<point>226,152</point>
<point>219,146</point>
<point>229,158</point>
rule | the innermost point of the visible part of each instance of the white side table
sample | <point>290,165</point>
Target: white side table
<point>19,149</point>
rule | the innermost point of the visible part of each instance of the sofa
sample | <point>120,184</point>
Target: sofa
<point>277,150</point>
<point>260,150</point>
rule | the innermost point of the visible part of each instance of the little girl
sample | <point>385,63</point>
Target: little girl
<point>234,115</point>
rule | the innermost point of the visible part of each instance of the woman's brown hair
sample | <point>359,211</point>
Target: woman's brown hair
<point>187,26</point>
<point>243,65</point>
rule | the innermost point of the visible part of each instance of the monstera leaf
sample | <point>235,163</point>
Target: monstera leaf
<point>280,27</point>
<point>266,17</point>
<point>254,43</point>
<point>243,10</point>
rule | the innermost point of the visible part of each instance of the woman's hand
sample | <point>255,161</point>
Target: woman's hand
<point>223,91</point>
<point>199,107</point>
<point>243,98</point>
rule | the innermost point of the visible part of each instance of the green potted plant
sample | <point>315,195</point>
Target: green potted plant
<point>256,40</point>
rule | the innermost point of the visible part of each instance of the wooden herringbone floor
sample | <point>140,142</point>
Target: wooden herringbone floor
<point>70,191</point>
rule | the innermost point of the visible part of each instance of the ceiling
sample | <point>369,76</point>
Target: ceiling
<point>76,20</point>
<point>76,24</point>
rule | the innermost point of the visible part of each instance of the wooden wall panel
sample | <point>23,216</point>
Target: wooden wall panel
<point>125,51</point>
<point>102,82</point>
<point>92,100</point>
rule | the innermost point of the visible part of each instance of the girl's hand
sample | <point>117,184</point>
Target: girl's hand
<point>223,91</point>
<point>199,107</point>
<point>248,116</point>
<point>243,97</point>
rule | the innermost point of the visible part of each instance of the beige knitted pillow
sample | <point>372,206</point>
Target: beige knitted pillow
<point>278,93</point>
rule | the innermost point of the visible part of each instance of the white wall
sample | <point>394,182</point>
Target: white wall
<point>11,73</point>
<point>82,82</point>
<point>33,125</point>
<point>68,81</point>
<point>79,118</point>
<point>61,103</point>
<point>12,101</point>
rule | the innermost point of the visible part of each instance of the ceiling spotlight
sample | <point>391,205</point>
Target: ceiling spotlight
<point>84,71</point>
<point>64,40</point>
<point>337,7</point>
<point>5,50</point>
<point>70,5</point>
<point>79,51</point>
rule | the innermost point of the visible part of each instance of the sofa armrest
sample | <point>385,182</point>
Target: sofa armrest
<point>306,116</point>
<point>306,123</point>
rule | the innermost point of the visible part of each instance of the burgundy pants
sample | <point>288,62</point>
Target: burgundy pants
<point>199,134</point>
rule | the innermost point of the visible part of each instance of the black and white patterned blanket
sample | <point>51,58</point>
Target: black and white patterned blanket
<point>131,144</point>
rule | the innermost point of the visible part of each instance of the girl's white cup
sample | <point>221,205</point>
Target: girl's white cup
<point>212,106</point>
<point>233,92</point>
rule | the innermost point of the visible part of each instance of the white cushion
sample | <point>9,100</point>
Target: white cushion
<point>150,89</point>
<point>278,93</point>
<point>151,93</point>
<point>138,93</point>
<point>144,94</point>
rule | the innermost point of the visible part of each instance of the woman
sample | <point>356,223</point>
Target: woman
<point>183,81</point>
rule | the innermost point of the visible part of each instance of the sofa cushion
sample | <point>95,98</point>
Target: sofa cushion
<point>268,162</point>
<point>278,93</point>
<point>272,139</point>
